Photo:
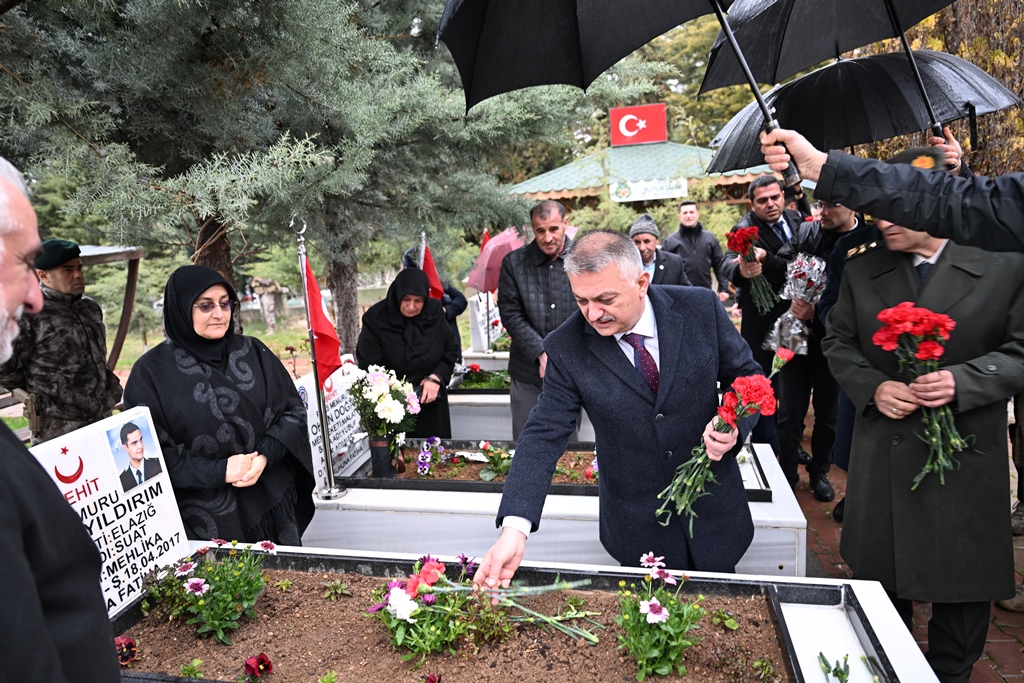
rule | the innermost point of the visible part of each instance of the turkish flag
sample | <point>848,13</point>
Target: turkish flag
<point>436,290</point>
<point>638,125</point>
<point>326,344</point>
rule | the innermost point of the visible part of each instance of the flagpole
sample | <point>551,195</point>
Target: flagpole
<point>332,490</point>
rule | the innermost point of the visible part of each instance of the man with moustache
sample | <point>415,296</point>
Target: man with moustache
<point>949,544</point>
<point>533,299</point>
<point>645,363</point>
<point>663,267</point>
<point>60,355</point>
<point>55,625</point>
<point>776,225</point>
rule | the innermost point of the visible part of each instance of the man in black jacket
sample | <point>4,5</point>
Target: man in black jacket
<point>663,267</point>
<point>55,625</point>
<point>534,298</point>
<point>808,376</point>
<point>776,226</point>
<point>699,249</point>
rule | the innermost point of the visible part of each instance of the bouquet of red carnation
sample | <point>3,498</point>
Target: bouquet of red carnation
<point>805,280</point>
<point>919,336</point>
<point>750,395</point>
<point>742,241</point>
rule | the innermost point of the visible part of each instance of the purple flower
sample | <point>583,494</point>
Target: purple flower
<point>649,560</point>
<point>378,607</point>
<point>197,586</point>
<point>468,564</point>
<point>429,599</point>
<point>427,558</point>
<point>424,470</point>
<point>654,611</point>
<point>424,456</point>
<point>184,569</point>
<point>432,441</point>
<point>394,584</point>
<point>594,465</point>
<point>660,573</point>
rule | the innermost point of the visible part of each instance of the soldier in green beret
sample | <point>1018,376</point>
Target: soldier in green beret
<point>60,354</point>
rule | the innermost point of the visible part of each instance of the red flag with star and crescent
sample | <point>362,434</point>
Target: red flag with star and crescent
<point>638,125</point>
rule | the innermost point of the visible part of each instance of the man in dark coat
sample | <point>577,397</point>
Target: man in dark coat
<point>55,625</point>
<point>533,299</point>
<point>950,543</point>
<point>663,267</point>
<point>644,363</point>
<point>775,226</point>
<point>699,249</point>
<point>807,376</point>
<point>140,468</point>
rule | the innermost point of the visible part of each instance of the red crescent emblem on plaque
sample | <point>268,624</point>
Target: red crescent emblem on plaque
<point>64,479</point>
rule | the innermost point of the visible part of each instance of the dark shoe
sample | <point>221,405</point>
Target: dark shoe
<point>821,489</point>
<point>838,510</point>
<point>803,457</point>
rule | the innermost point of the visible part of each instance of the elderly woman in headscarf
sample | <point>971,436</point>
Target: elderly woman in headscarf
<point>230,421</point>
<point>407,332</point>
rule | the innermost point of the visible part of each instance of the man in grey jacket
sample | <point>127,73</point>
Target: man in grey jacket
<point>534,298</point>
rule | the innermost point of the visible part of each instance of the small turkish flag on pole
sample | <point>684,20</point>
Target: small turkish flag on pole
<point>428,267</point>
<point>326,345</point>
<point>638,125</point>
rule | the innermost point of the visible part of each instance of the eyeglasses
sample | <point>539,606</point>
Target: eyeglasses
<point>830,205</point>
<point>208,306</point>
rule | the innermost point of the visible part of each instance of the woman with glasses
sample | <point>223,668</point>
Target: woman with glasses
<point>229,419</point>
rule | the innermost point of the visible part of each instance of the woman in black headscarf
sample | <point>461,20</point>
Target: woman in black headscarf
<point>229,419</point>
<point>407,332</point>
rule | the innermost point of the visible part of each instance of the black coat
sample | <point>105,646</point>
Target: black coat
<point>150,468</point>
<point>701,253</point>
<point>755,326</point>
<point>668,269</point>
<point>378,346</point>
<point>642,438</point>
<point>54,626</point>
<point>534,298</point>
<point>940,543</point>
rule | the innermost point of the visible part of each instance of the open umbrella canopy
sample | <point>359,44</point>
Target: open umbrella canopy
<point>856,101</point>
<point>500,46</point>
<point>484,275</point>
<point>782,37</point>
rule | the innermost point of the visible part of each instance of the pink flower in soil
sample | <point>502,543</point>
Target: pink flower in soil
<point>268,547</point>
<point>649,560</point>
<point>203,550</point>
<point>218,542</point>
<point>184,569</point>
<point>659,573</point>
<point>197,586</point>
<point>654,611</point>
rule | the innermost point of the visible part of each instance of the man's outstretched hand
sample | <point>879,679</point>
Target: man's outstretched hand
<point>808,159</point>
<point>500,563</point>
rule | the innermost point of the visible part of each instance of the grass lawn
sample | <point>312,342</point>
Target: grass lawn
<point>15,423</point>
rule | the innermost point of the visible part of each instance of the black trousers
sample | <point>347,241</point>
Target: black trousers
<point>956,635</point>
<point>804,378</point>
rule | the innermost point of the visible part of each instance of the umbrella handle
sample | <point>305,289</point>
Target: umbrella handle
<point>791,177</point>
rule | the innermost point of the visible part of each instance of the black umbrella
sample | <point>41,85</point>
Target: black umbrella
<point>504,45</point>
<point>856,101</point>
<point>782,37</point>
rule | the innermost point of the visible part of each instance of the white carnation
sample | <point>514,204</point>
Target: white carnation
<point>401,606</point>
<point>390,410</point>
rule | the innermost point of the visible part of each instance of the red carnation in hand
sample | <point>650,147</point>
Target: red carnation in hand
<point>728,415</point>
<point>730,399</point>
<point>756,390</point>
<point>929,350</point>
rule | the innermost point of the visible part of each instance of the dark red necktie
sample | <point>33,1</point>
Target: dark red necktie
<point>643,360</point>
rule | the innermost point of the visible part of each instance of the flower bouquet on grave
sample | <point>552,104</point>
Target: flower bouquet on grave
<point>742,241</point>
<point>919,336</point>
<point>805,280</point>
<point>386,405</point>
<point>749,396</point>
<point>431,612</point>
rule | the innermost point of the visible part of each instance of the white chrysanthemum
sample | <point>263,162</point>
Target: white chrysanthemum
<point>400,438</point>
<point>350,374</point>
<point>401,606</point>
<point>390,410</point>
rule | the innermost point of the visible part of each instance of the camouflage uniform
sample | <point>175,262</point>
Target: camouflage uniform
<point>60,358</point>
